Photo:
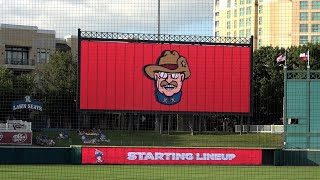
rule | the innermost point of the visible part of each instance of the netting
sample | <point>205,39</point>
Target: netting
<point>159,89</point>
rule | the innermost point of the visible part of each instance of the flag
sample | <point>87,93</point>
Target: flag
<point>303,56</point>
<point>282,58</point>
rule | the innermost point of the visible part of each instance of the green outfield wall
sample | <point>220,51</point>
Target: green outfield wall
<point>301,109</point>
<point>30,155</point>
<point>297,158</point>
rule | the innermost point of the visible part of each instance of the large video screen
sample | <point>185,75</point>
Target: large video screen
<point>127,155</point>
<point>164,77</point>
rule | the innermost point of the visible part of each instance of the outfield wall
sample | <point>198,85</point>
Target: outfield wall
<point>88,155</point>
<point>37,155</point>
<point>297,157</point>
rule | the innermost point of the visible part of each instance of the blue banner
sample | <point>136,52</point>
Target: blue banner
<point>27,103</point>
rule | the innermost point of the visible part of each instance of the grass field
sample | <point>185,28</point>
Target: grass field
<point>184,172</point>
<point>179,139</point>
<point>127,172</point>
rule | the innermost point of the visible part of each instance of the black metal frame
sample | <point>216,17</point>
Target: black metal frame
<point>302,74</point>
<point>164,38</point>
<point>170,39</point>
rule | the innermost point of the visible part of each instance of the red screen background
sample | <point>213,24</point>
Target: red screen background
<point>118,155</point>
<point>112,77</point>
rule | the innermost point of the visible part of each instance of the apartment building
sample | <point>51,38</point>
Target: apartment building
<point>271,22</point>
<point>23,48</point>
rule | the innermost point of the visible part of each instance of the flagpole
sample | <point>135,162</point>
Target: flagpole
<point>285,61</point>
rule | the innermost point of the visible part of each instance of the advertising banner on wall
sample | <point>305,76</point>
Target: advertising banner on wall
<point>164,77</point>
<point>118,155</point>
<point>16,138</point>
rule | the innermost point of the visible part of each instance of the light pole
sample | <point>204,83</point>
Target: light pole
<point>159,20</point>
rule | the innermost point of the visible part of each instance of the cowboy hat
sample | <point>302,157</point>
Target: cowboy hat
<point>170,62</point>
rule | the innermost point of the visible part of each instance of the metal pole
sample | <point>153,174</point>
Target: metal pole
<point>248,124</point>
<point>308,104</point>
<point>241,125</point>
<point>285,123</point>
<point>200,123</point>
<point>169,123</point>
<point>161,123</point>
<point>159,20</point>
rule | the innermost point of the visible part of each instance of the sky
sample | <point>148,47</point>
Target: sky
<point>178,17</point>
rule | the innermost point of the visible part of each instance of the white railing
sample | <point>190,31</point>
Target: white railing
<point>276,129</point>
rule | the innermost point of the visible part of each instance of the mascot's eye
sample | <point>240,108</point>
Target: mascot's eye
<point>175,75</point>
<point>163,75</point>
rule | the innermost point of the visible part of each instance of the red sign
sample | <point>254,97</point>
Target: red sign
<point>164,77</point>
<point>115,155</point>
<point>16,138</point>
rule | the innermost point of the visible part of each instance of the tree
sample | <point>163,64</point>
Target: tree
<point>268,79</point>
<point>293,61</point>
<point>57,83</point>
<point>6,80</point>
<point>13,87</point>
<point>268,86</point>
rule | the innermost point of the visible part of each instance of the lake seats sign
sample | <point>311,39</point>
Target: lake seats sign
<point>27,103</point>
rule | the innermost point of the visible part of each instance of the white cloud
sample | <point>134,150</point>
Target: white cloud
<point>134,16</point>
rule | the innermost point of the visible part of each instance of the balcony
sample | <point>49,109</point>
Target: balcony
<point>20,64</point>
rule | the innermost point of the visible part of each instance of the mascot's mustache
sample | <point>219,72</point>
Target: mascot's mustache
<point>165,83</point>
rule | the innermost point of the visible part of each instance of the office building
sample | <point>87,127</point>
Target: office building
<point>23,48</point>
<point>271,22</point>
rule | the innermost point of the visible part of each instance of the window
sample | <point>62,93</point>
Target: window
<point>303,27</point>
<point>235,22</point>
<point>217,13</point>
<point>260,31</point>
<point>248,22</point>
<point>315,16</point>
<point>260,9</point>
<point>293,121</point>
<point>228,25</point>
<point>241,2</point>
<point>248,32</point>
<point>260,20</point>
<point>229,3</point>
<point>303,4</point>
<point>43,55</point>
<point>248,10</point>
<point>261,1</point>
<point>216,33</point>
<point>315,27</point>
<point>303,16</point>
<point>234,33</point>
<point>303,39</point>
<point>241,33</point>
<point>241,23</point>
<point>241,11</point>
<point>217,23</point>
<point>17,55</point>
<point>228,34</point>
<point>228,13</point>
<point>316,4</point>
<point>248,1</point>
<point>235,13</point>
<point>260,42</point>
<point>315,39</point>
